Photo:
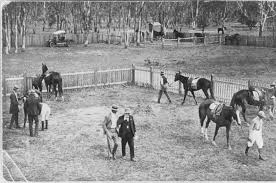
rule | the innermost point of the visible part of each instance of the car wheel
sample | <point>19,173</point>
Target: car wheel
<point>52,45</point>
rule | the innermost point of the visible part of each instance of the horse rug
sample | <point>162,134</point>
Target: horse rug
<point>193,82</point>
<point>257,94</point>
<point>216,108</point>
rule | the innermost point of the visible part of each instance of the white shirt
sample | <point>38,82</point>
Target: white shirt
<point>114,119</point>
<point>126,118</point>
<point>256,126</point>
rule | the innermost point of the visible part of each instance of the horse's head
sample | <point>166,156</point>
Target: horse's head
<point>177,76</point>
<point>236,113</point>
<point>44,68</point>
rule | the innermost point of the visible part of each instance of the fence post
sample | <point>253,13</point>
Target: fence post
<point>249,83</point>
<point>151,76</point>
<point>177,42</point>
<point>205,40</point>
<point>133,74</point>
<point>121,38</point>
<point>220,39</point>
<point>95,77</point>
<point>162,42</point>
<point>4,93</point>
<point>213,84</point>
<point>25,82</point>
<point>194,39</point>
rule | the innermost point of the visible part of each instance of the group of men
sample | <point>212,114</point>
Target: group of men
<point>33,107</point>
<point>115,126</point>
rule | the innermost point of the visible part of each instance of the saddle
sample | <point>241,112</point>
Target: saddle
<point>216,108</point>
<point>257,94</point>
<point>193,82</point>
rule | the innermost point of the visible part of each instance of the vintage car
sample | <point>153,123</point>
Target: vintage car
<point>58,39</point>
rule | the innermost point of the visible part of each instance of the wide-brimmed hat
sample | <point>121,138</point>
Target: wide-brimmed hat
<point>127,111</point>
<point>114,107</point>
<point>15,87</point>
<point>261,114</point>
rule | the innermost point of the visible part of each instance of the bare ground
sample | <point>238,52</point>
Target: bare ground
<point>230,61</point>
<point>169,146</point>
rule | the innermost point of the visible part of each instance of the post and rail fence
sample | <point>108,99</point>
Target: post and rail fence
<point>224,88</point>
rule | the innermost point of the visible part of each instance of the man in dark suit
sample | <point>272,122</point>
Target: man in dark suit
<point>127,131</point>
<point>163,87</point>
<point>33,110</point>
<point>14,110</point>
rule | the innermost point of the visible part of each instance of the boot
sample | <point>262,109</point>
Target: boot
<point>46,124</point>
<point>31,132</point>
<point>260,157</point>
<point>246,151</point>
<point>42,125</point>
<point>36,131</point>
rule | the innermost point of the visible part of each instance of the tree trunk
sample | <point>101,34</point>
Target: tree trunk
<point>23,29</point>
<point>6,23</point>
<point>16,32</point>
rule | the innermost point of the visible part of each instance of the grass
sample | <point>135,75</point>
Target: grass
<point>229,61</point>
<point>169,146</point>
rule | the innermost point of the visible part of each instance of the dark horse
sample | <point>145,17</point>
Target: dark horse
<point>37,82</point>
<point>224,119</point>
<point>178,34</point>
<point>202,84</point>
<point>54,79</point>
<point>221,29</point>
<point>243,97</point>
<point>232,39</point>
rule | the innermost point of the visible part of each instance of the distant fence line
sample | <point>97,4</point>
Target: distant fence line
<point>224,88</point>
<point>118,38</point>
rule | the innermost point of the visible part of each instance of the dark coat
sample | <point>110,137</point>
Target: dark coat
<point>33,105</point>
<point>14,104</point>
<point>121,122</point>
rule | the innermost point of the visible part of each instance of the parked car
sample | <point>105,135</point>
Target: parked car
<point>58,39</point>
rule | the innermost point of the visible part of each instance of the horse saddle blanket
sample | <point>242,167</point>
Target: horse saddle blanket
<point>216,108</point>
<point>257,94</point>
<point>193,81</point>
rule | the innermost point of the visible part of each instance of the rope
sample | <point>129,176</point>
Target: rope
<point>17,167</point>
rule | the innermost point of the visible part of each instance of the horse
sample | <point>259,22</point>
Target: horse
<point>52,78</point>
<point>202,84</point>
<point>243,97</point>
<point>223,118</point>
<point>221,29</point>
<point>200,36</point>
<point>37,82</point>
<point>178,34</point>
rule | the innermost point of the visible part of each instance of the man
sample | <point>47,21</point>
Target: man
<point>45,114</point>
<point>255,134</point>
<point>127,131</point>
<point>14,109</point>
<point>273,108</point>
<point>109,127</point>
<point>33,110</point>
<point>164,85</point>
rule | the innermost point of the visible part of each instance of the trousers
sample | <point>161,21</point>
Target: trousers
<point>32,118</point>
<point>161,91</point>
<point>130,142</point>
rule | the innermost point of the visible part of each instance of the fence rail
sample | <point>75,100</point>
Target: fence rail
<point>224,88</point>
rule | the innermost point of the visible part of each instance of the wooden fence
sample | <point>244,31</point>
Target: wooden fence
<point>224,88</point>
<point>74,80</point>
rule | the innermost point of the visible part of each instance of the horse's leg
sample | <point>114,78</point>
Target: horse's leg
<point>214,138</point>
<point>194,96</point>
<point>185,94</point>
<point>55,90</point>
<point>228,127</point>
<point>206,93</point>
<point>243,112</point>
<point>206,127</point>
<point>202,116</point>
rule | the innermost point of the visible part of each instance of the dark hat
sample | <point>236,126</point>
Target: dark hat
<point>114,107</point>
<point>162,73</point>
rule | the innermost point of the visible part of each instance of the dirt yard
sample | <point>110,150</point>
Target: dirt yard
<point>169,146</point>
<point>229,61</point>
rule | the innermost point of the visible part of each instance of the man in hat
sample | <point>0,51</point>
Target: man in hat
<point>14,109</point>
<point>127,131</point>
<point>33,109</point>
<point>109,127</point>
<point>163,87</point>
<point>255,134</point>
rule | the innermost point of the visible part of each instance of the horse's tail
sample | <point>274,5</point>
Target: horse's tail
<point>232,103</point>
<point>212,90</point>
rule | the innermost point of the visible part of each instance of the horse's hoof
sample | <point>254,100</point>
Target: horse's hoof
<point>214,144</point>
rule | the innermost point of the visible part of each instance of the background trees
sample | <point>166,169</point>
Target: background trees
<point>21,18</point>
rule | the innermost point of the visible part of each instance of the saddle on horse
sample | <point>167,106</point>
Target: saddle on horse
<point>256,94</point>
<point>193,82</point>
<point>216,109</point>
